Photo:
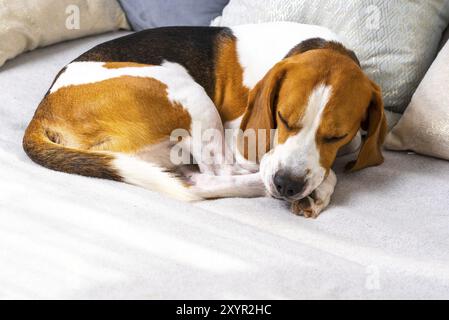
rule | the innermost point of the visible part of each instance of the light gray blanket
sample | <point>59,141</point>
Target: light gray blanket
<point>385,235</point>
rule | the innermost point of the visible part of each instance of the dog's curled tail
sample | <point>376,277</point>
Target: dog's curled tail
<point>43,148</point>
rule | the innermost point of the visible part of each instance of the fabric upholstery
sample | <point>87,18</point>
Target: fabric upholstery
<point>65,236</point>
<point>424,127</point>
<point>28,24</point>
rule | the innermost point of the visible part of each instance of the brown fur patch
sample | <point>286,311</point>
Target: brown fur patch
<point>230,94</point>
<point>43,151</point>
<point>119,65</point>
<point>261,111</point>
<point>122,114</point>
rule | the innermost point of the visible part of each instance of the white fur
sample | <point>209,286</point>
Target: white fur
<point>157,154</point>
<point>321,198</point>
<point>299,154</point>
<point>146,175</point>
<point>261,46</point>
<point>78,73</point>
<point>242,186</point>
<point>324,191</point>
<point>233,124</point>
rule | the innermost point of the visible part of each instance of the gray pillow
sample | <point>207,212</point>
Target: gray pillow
<point>144,14</point>
<point>396,40</point>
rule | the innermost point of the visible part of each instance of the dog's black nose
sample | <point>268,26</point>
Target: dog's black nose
<point>287,186</point>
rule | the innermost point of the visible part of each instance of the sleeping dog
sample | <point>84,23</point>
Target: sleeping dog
<point>111,113</point>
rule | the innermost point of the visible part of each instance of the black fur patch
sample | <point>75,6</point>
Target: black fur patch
<point>319,43</point>
<point>192,47</point>
<point>56,78</point>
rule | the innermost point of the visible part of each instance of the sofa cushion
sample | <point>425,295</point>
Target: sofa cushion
<point>424,127</point>
<point>26,25</point>
<point>395,40</point>
<point>144,14</point>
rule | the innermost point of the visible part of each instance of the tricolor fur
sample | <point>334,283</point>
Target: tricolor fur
<point>110,113</point>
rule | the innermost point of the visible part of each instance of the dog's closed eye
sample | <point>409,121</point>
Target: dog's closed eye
<point>334,139</point>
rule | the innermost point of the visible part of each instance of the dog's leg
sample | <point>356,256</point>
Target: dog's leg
<point>213,153</point>
<point>243,186</point>
<point>223,164</point>
<point>313,205</point>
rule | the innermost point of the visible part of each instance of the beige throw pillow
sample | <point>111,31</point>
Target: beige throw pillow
<point>424,127</point>
<point>28,24</point>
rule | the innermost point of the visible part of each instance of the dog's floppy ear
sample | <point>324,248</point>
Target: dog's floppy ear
<point>376,126</point>
<point>261,108</point>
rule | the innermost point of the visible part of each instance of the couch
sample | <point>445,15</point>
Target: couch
<point>385,234</point>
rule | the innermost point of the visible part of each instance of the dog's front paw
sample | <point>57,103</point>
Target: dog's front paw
<point>308,207</point>
<point>318,200</point>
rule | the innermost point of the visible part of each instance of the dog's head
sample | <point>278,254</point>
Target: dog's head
<point>316,99</point>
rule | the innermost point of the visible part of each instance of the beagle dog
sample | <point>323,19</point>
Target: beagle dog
<point>111,113</point>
